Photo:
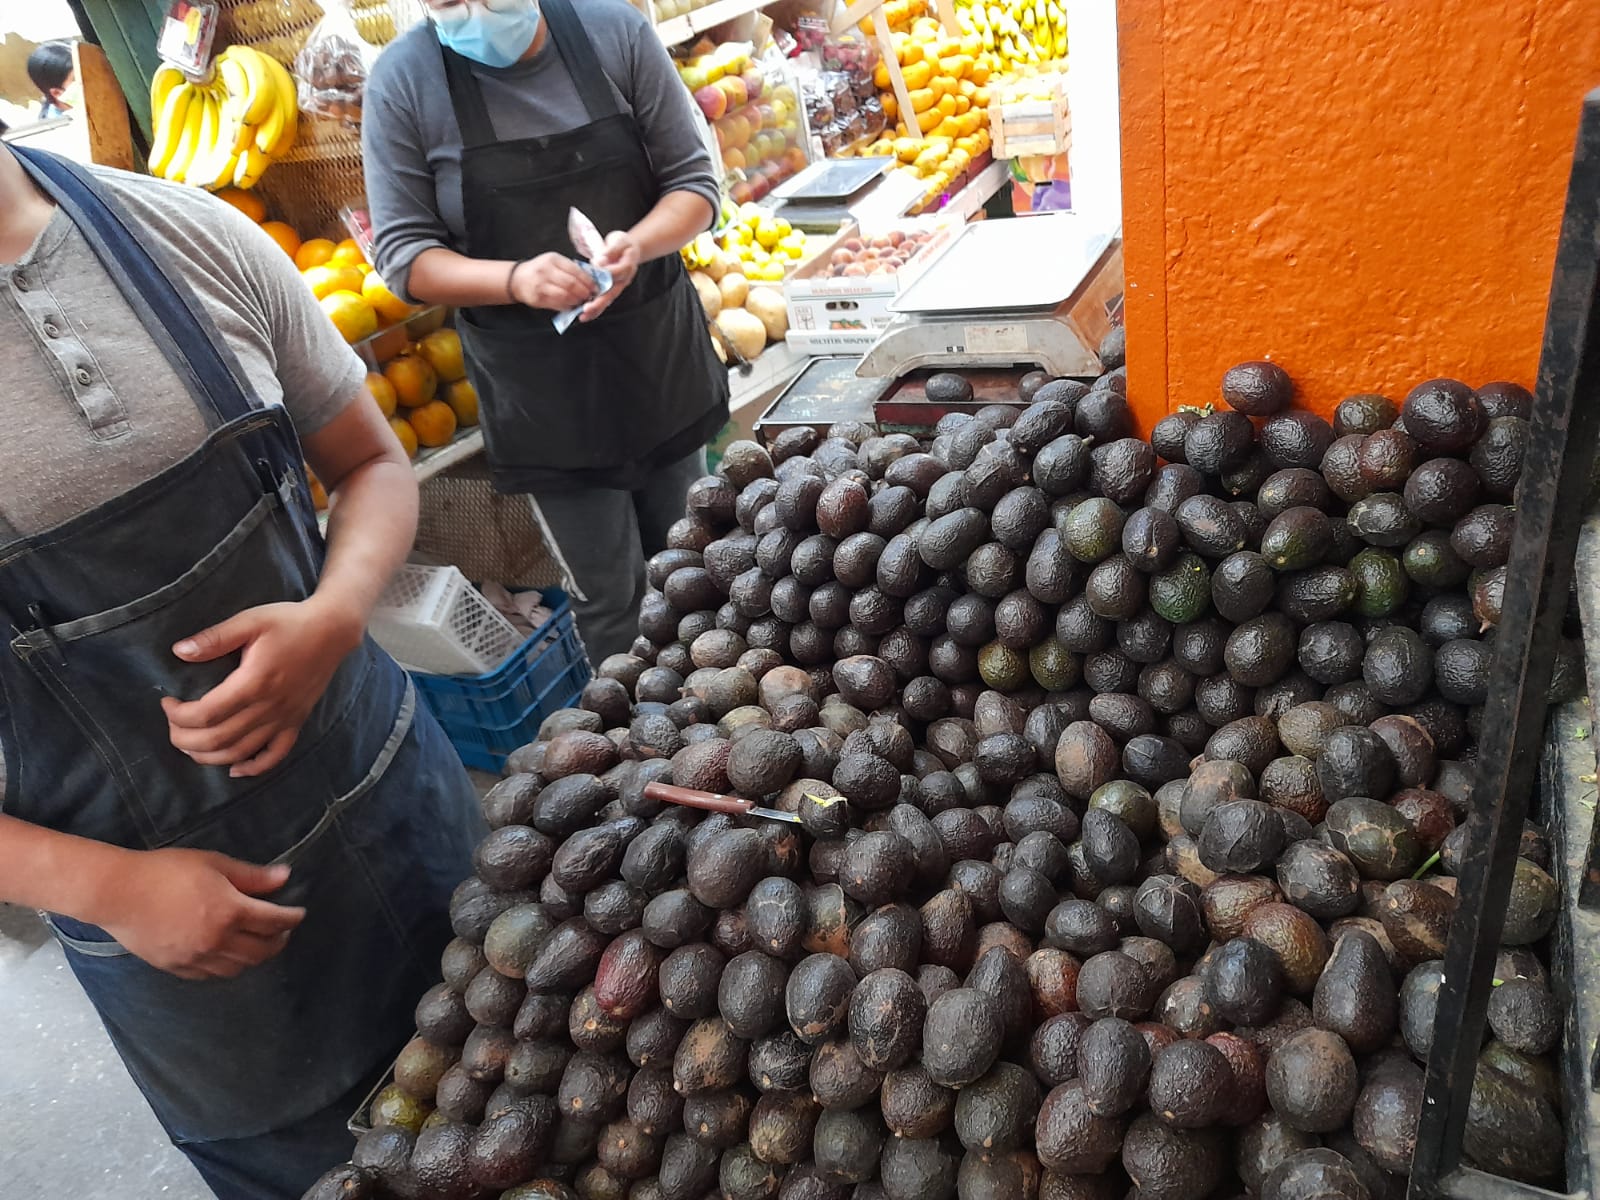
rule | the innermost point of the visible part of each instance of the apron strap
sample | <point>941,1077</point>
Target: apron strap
<point>577,54</point>
<point>582,63</point>
<point>165,306</point>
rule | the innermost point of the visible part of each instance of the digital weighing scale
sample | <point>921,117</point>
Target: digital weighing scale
<point>818,199</point>
<point>1007,297</point>
<point>972,312</point>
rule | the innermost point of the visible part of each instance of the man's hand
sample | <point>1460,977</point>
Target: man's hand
<point>551,281</point>
<point>194,913</point>
<point>621,258</point>
<point>249,721</point>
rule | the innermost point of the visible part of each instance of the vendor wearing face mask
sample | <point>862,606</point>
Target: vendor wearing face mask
<point>606,424</point>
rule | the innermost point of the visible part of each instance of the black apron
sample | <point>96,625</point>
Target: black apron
<point>609,401</point>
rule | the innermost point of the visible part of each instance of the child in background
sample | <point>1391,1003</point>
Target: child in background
<point>50,68</point>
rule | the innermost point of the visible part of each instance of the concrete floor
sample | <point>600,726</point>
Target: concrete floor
<point>74,1123</point>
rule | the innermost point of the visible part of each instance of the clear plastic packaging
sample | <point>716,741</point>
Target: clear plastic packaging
<point>332,67</point>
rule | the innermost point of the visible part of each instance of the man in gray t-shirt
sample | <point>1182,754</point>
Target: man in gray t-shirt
<point>482,128</point>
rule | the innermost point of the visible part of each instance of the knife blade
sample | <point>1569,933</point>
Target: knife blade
<point>666,793</point>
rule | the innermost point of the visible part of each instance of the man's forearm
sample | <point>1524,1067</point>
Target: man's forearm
<point>370,532</point>
<point>73,876</point>
<point>676,220</point>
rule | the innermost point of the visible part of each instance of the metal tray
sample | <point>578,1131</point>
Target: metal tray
<point>833,179</point>
<point>828,390</point>
<point>1023,264</point>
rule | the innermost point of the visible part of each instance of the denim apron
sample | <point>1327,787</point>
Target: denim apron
<point>372,808</point>
<point>613,400</point>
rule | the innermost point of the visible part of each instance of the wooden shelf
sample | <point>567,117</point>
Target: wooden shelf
<point>677,30</point>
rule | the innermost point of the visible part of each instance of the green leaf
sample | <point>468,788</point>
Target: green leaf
<point>1427,866</point>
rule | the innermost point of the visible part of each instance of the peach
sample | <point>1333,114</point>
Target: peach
<point>754,84</point>
<point>733,88</point>
<point>713,101</point>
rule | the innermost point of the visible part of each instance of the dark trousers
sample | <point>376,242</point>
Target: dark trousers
<point>282,1164</point>
<point>605,536</point>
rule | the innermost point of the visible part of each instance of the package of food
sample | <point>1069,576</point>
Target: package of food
<point>331,69</point>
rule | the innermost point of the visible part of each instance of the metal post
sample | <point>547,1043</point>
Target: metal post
<point>1550,506</point>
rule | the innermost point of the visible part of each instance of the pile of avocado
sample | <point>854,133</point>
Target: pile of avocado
<point>1130,781</point>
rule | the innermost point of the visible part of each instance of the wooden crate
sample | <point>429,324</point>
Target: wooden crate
<point>1028,126</point>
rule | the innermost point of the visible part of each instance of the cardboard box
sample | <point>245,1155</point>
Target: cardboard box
<point>831,314</point>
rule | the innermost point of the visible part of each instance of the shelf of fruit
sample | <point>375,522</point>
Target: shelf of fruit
<point>738,273</point>
<point>679,20</point>
<point>754,113</point>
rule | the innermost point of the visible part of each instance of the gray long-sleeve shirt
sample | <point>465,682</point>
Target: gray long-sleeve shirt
<point>411,143</point>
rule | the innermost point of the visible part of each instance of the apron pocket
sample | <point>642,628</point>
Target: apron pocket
<point>604,394</point>
<point>109,671</point>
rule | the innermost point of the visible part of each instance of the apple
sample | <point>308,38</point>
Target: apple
<point>713,101</point>
<point>754,84</point>
<point>740,193</point>
<point>695,77</point>
<point>733,160</point>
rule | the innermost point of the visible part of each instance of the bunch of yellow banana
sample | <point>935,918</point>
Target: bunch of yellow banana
<point>699,254</point>
<point>228,131</point>
<point>1019,31</point>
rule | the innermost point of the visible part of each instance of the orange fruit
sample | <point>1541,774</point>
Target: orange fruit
<point>435,423</point>
<point>319,494</point>
<point>351,315</point>
<point>390,307</point>
<point>313,253</point>
<point>413,380</point>
<point>250,204</point>
<point>347,253</point>
<point>383,392</point>
<point>284,235</point>
<point>329,279</point>
<point>462,398</point>
<point>406,434</point>
<point>442,349</point>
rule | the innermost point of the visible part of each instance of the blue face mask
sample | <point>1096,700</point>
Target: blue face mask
<point>495,37</point>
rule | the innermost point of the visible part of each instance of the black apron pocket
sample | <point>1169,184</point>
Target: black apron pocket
<point>600,396</point>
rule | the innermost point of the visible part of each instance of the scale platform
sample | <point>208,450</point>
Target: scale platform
<point>973,312</point>
<point>818,199</point>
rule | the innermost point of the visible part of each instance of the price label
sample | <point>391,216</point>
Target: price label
<point>996,339</point>
<point>187,33</point>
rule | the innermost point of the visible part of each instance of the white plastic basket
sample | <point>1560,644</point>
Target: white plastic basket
<point>431,619</point>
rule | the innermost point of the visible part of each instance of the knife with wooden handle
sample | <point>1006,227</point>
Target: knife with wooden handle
<point>738,806</point>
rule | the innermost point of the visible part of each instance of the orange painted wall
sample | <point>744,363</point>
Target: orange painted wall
<point>1365,191</point>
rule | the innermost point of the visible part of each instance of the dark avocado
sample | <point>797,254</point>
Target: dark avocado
<point>1382,584</point>
<point>1103,414</point>
<point>1191,1085</point>
<point>1151,539</point>
<point>1319,879</point>
<point>1182,592</point>
<point>750,994</point>
<point>1385,460</point>
<point>1252,741</point>
<point>717,1119</point>
<point>1364,413</point>
<point>913,1105</point>
<point>913,1169</point>
<point>1376,838</point>
<point>781,1127</point>
<point>1295,439</point>
<point>1355,762</point>
<point>1244,982</point>
<point>1482,538</point>
<point>1210,526</point>
<point>1219,440</point>
<point>1197,646</point>
<point>998,1112</point>
<point>1385,1118</point>
<point>1092,531</point>
<point>1261,650</point>
<point>817,997</point>
<point>1314,1173</point>
<point>1229,899</point>
<point>948,541</point>
<point>1293,487</point>
<point>688,979</point>
<point>779,1063</point>
<point>1167,438</point>
<point>1168,909</point>
<point>1341,468</point>
<point>709,1059</point>
<point>1298,941</point>
<point>1382,519</point>
<point>1429,560</point>
<point>1498,455</point>
<point>1525,1015</point>
<point>948,388</point>
<point>1257,389</point>
<point>847,1145</point>
<point>1398,666</point>
<point>1071,1138</point>
<point>1121,470</point>
<point>1312,1081</point>
<point>1511,1130</point>
<point>1062,465</point>
<point>1355,997</point>
<point>1242,586</point>
<point>1296,539</point>
<point>1166,1163</point>
<point>1447,617</point>
<point>1444,416</point>
<point>961,1036</point>
<point>885,1019</point>
<point>1241,837</point>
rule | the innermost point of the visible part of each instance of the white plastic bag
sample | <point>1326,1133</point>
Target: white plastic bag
<point>331,69</point>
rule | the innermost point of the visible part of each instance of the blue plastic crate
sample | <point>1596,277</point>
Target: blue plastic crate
<point>488,716</point>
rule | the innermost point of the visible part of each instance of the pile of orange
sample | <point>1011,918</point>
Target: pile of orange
<point>423,389</point>
<point>425,393</point>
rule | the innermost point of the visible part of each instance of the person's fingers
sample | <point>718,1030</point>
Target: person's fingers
<point>230,697</point>
<point>218,966</point>
<point>253,879</point>
<point>220,639</point>
<point>266,918</point>
<point>208,739</point>
<point>241,750</point>
<point>252,949</point>
<point>192,974</point>
<point>269,756</point>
